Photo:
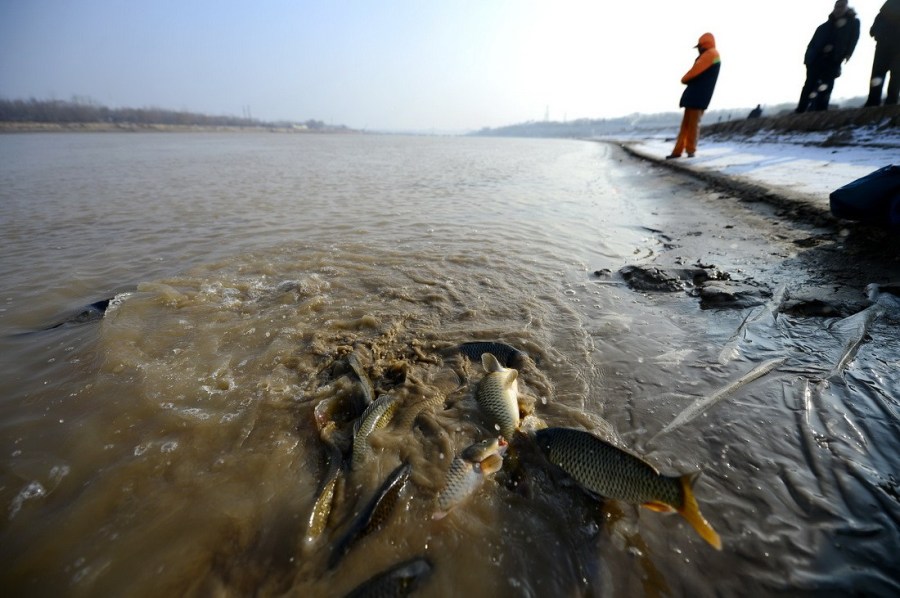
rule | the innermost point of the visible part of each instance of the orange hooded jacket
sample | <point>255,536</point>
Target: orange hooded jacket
<point>701,79</point>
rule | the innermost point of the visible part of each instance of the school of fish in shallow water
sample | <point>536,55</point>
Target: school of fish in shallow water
<point>350,420</point>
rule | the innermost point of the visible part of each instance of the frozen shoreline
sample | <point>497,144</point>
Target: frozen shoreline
<point>795,170</point>
<point>787,167</point>
<point>800,158</point>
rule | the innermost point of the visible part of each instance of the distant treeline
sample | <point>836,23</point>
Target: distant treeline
<point>86,111</point>
<point>608,126</point>
<point>637,123</point>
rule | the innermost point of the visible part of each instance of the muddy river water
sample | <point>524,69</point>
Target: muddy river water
<point>171,443</point>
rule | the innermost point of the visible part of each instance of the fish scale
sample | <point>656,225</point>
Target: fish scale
<point>373,515</point>
<point>462,479</point>
<point>606,470</point>
<point>467,472</point>
<point>376,416</point>
<point>507,355</point>
<point>497,394</point>
<point>400,580</point>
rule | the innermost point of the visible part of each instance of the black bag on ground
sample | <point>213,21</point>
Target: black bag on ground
<point>874,198</point>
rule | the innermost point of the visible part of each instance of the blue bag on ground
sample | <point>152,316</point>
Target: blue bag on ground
<point>874,198</point>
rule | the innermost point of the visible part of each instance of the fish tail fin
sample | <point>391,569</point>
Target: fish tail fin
<point>690,510</point>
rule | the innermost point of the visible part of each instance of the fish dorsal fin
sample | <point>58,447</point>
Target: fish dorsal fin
<point>491,464</point>
<point>511,378</point>
<point>490,363</point>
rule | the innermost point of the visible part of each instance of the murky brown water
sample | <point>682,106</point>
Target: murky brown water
<point>172,448</point>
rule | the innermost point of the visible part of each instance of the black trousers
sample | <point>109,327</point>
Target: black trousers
<point>887,60</point>
<point>817,88</point>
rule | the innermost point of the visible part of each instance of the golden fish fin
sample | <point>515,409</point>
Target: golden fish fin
<point>491,464</point>
<point>511,378</point>
<point>690,510</point>
<point>490,363</point>
<point>659,507</point>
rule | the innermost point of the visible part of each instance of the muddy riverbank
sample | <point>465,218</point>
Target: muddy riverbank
<point>839,252</point>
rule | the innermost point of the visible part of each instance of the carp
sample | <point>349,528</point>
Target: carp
<point>400,580</point>
<point>467,472</point>
<point>610,472</point>
<point>376,416</point>
<point>365,384</point>
<point>497,395</point>
<point>324,504</point>
<point>373,515</point>
<point>507,355</point>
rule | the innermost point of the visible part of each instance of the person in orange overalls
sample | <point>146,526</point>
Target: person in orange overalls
<point>701,82</point>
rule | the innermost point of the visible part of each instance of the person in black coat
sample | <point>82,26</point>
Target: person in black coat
<point>831,44</point>
<point>886,31</point>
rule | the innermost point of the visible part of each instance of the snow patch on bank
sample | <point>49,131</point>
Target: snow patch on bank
<point>801,162</point>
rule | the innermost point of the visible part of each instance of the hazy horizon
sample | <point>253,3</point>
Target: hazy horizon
<point>401,65</point>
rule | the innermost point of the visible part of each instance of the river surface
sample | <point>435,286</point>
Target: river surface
<point>171,446</point>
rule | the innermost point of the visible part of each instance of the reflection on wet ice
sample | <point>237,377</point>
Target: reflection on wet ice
<point>700,405</point>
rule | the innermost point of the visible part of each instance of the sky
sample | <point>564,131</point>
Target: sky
<point>412,65</point>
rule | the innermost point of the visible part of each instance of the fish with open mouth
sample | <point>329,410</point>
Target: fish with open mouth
<point>607,471</point>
